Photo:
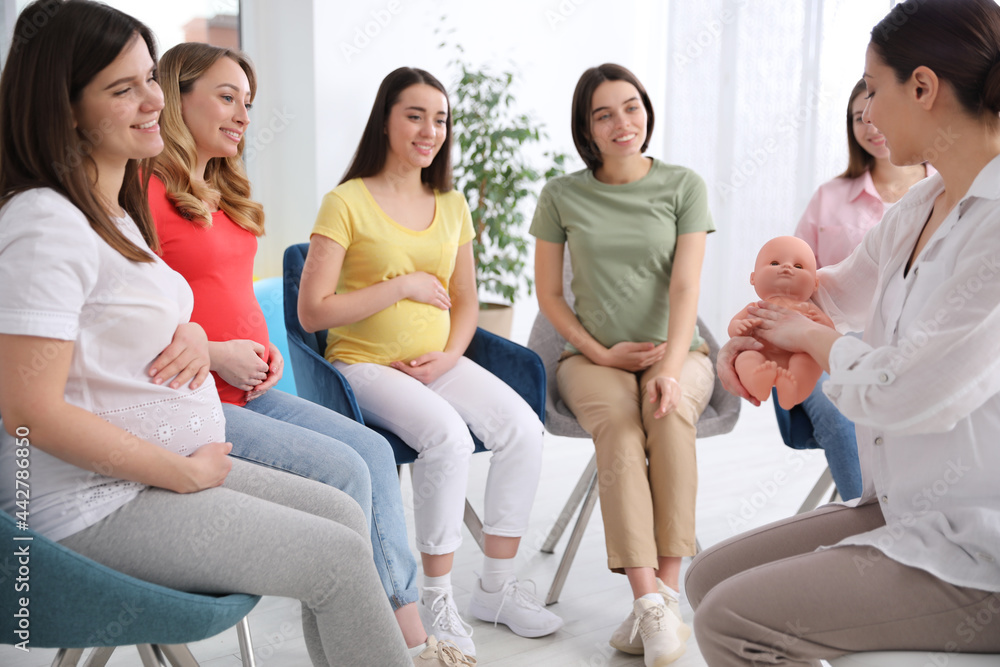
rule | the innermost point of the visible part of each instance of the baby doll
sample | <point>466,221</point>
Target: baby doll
<point>785,274</point>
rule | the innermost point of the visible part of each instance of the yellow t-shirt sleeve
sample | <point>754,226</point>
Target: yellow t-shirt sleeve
<point>334,220</point>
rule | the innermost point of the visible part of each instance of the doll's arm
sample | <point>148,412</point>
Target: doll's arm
<point>742,324</point>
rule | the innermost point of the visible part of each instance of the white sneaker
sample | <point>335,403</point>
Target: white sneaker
<point>439,614</point>
<point>673,602</point>
<point>623,639</point>
<point>514,607</point>
<point>658,629</point>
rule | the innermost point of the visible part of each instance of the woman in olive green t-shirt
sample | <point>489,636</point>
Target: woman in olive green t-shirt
<point>635,372</point>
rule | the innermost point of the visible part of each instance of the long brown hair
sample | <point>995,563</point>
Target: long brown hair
<point>57,49</point>
<point>369,159</point>
<point>583,105</point>
<point>858,159</point>
<point>226,184</point>
<point>958,39</point>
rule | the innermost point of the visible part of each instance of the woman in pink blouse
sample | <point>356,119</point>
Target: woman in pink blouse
<point>843,209</point>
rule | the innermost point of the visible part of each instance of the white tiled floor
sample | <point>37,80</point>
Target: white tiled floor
<point>747,478</point>
<point>737,491</point>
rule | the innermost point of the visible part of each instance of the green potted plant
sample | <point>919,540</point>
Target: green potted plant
<point>498,181</point>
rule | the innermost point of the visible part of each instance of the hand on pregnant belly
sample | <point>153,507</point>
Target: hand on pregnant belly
<point>425,288</point>
<point>427,367</point>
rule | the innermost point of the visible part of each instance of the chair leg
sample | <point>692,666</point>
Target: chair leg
<point>99,656</point>
<point>570,509</point>
<point>150,655</point>
<point>574,540</point>
<point>67,657</point>
<point>819,491</point>
<point>179,655</point>
<point>474,525</point>
<point>246,642</point>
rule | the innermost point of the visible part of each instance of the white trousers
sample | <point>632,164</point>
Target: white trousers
<point>435,420</point>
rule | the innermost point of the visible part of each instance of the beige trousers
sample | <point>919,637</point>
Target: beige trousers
<point>647,472</point>
<point>767,597</point>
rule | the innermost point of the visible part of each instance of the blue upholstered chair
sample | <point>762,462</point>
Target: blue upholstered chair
<point>75,603</point>
<point>797,432</point>
<point>317,380</point>
<point>269,295</point>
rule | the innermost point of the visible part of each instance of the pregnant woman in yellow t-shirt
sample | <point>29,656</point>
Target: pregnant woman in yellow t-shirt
<point>390,272</point>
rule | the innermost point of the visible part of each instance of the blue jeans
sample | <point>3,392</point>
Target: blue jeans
<point>289,433</point>
<point>816,423</point>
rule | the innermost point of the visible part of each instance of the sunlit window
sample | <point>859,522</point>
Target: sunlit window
<point>213,21</point>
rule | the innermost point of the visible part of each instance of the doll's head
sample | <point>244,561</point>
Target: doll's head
<point>785,267</point>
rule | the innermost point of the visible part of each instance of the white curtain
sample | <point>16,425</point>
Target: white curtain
<point>756,103</point>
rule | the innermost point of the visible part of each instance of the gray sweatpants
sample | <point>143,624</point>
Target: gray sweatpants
<point>263,532</point>
<point>766,597</point>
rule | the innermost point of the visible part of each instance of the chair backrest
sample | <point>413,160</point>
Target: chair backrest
<point>74,602</point>
<point>269,295</point>
<point>719,417</point>
<point>305,349</point>
<point>295,260</point>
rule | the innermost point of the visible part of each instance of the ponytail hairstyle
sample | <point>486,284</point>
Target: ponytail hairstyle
<point>57,49</point>
<point>373,149</point>
<point>226,184</point>
<point>958,39</point>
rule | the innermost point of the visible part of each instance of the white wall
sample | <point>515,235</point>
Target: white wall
<point>354,45</point>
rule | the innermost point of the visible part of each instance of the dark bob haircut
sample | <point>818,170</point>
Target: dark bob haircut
<point>583,105</point>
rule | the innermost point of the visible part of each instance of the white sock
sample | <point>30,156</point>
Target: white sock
<point>417,650</point>
<point>444,581</point>
<point>655,598</point>
<point>495,572</point>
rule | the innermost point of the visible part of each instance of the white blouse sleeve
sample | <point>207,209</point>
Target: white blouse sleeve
<point>945,363</point>
<point>846,290</point>
<point>48,265</point>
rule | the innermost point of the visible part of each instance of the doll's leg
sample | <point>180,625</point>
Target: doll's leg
<point>797,382</point>
<point>756,373</point>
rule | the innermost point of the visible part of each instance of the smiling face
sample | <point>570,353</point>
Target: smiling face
<point>118,111</point>
<point>617,120</point>
<point>215,110</point>
<point>785,267</point>
<point>866,134</point>
<point>416,127</point>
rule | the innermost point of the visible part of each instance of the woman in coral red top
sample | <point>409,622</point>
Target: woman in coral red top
<point>208,228</point>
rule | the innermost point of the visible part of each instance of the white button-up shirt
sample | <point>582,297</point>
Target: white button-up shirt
<point>923,386</point>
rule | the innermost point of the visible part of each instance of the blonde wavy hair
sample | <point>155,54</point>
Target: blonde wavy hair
<point>226,184</point>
